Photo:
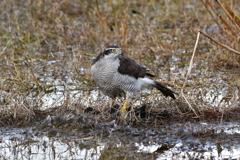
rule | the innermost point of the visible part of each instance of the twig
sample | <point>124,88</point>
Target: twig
<point>211,7</point>
<point>188,73</point>
<point>228,15</point>
<point>207,4</point>
<point>223,45</point>
<point>191,63</point>
<point>232,13</point>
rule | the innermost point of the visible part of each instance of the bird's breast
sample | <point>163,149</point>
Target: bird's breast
<point>103,71</point>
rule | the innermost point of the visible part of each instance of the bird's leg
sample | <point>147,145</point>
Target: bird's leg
<point>124,107</point>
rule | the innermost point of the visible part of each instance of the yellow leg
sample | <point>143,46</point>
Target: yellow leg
<point>124,107</point>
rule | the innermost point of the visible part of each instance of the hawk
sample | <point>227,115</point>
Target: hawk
<point>119,76</point>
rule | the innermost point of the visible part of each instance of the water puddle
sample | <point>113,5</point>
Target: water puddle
<point>171,142</point>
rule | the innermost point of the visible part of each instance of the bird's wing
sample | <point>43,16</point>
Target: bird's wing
<point>98,58</point>
<point>130,67</point>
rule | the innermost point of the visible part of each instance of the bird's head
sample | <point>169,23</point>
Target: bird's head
<point>112,51</point>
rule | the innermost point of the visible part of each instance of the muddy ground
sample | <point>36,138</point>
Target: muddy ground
<point>158,135</point>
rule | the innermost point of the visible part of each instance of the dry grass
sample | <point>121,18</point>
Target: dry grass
<point>47,45</point>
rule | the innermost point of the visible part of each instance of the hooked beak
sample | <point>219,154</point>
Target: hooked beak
<point>120,53</point>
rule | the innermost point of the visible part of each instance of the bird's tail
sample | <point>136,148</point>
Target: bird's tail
<point>166,91</point>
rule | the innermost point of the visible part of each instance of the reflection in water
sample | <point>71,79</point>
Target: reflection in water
<point>48,148</point>
<point>28,143</point>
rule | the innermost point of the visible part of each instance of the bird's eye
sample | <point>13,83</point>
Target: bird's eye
<point>113,50</point>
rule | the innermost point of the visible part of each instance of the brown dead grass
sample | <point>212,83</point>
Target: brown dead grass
<point>47,44</point>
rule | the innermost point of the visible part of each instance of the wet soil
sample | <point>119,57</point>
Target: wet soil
<point>148,135</point>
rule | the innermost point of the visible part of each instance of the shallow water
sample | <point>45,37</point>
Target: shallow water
<point>172,142</point>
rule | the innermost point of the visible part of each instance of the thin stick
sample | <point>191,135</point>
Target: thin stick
<point>228,15</point>
<point>207,4</point>
<point>232,13</point>
<point>191,61</point>
<point>210,5</point>
<point>188,73</point>
<point>223,45</point>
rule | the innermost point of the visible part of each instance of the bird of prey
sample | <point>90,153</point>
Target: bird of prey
<point>119,76</point>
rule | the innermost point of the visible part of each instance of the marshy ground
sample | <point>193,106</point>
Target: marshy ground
<point>50,108</point>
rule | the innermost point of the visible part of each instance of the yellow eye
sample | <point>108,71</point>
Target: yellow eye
<point>113,50</point>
